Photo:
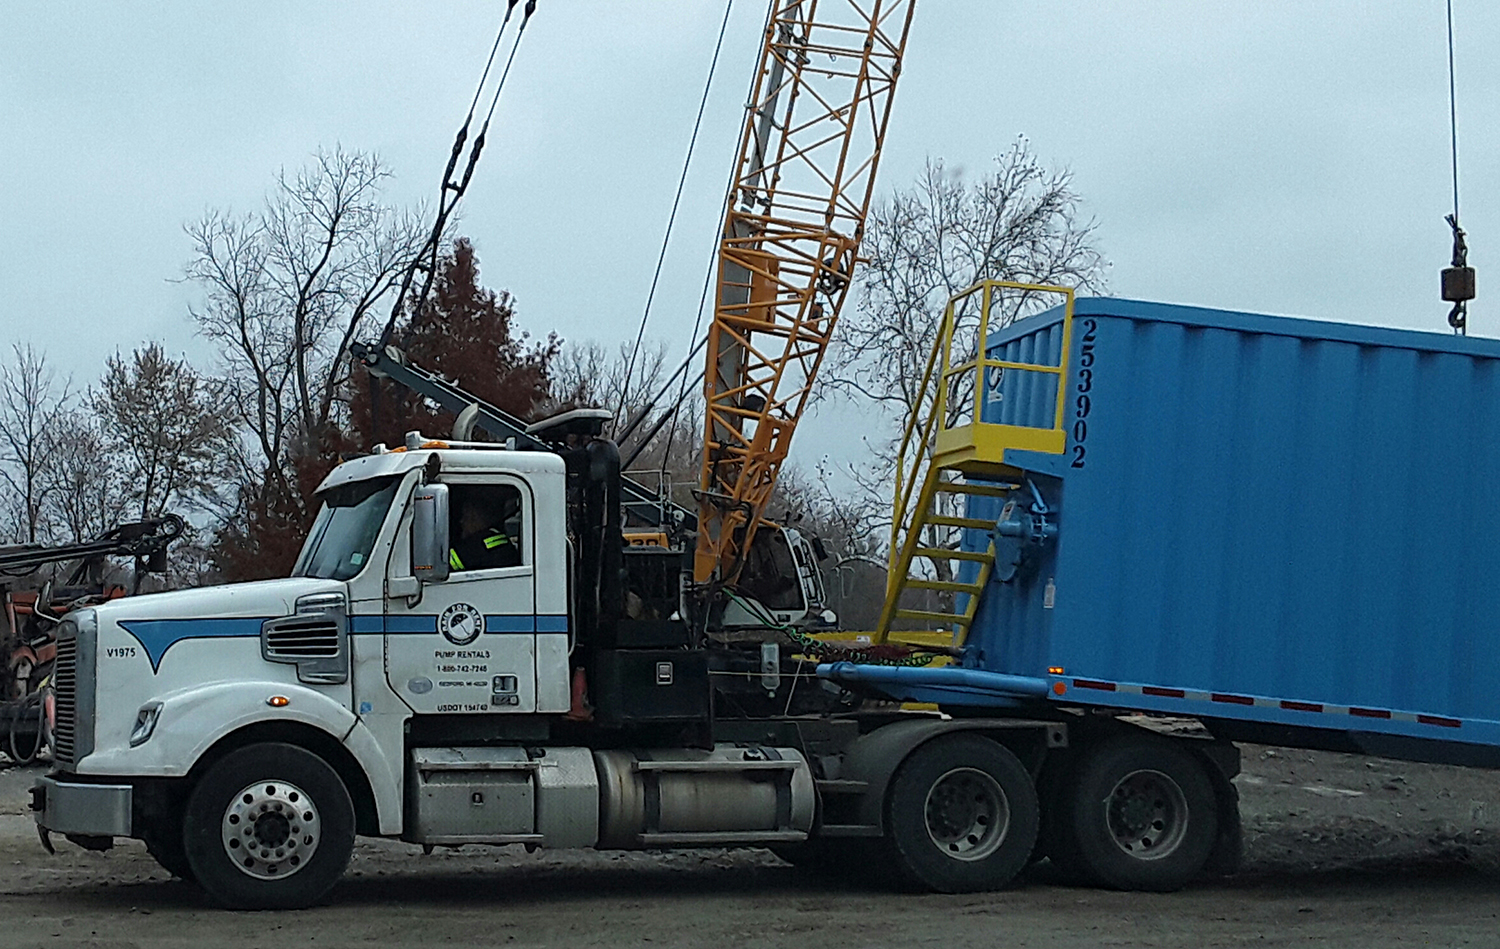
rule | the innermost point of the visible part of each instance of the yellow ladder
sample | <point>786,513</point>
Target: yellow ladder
<point>949,452</point>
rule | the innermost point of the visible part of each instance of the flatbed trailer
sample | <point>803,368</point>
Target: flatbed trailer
<point>1286,530</point>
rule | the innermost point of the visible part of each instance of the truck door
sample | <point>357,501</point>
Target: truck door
<point>468,645</point>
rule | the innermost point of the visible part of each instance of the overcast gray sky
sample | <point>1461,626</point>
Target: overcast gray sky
<point>1284,157</point>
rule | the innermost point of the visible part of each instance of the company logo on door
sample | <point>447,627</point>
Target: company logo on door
<point>460,624</point>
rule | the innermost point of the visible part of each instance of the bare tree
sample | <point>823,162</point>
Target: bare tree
<point>88,492</point>
<point>32,402</point>
<point>850,532</point>
<point>1020,222</point>
<point>287,289</point>
<point>169,425</point>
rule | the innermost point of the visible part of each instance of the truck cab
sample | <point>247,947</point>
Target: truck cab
<point>466,652</point>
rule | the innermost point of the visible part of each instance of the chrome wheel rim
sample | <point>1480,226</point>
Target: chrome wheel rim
<point>967,814</point>
<point>270,830</point>
<point>1147,814</point>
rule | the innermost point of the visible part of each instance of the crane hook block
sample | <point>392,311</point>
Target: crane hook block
<point>1458,284</point>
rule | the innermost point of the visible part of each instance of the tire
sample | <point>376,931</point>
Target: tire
<point>1141,815</point>
<point>293,811</point>
<point>167,850</point>
<point>961,816</point>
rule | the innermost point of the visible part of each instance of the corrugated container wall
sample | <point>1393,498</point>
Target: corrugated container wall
<point>1262,506</point>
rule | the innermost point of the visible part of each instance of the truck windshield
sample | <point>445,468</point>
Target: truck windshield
<point>342,536</point>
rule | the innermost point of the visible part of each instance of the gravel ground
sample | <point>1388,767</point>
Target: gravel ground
<point>1341,851</point>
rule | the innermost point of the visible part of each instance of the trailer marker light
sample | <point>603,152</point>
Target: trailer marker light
<point>1439,720</point>
<point>278,701</point>
<point>1232,699</point>
<point>1058,688</point>
<point>1160,692</point>
<point>1055,670</point>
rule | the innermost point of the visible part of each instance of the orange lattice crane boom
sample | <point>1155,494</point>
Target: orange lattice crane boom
<point>811,143</point>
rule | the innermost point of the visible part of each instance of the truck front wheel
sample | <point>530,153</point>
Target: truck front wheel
<point>268,826</point>
<point>1140,815</point>
<point>961,816</point>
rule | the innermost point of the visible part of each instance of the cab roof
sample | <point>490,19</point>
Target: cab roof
<point>400,461</point>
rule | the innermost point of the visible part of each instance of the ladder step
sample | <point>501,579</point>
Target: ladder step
<point>940,553</point>
<point>979,490</point>
<point>931,617</point>
<point>948,586</point>
<point>969,522</point>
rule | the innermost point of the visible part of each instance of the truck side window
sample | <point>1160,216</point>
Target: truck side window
<point>485,527</point>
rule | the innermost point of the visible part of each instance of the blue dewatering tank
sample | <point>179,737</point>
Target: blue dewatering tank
<point>1256,518</point>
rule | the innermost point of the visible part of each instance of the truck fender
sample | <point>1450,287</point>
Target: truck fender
<point>874,757</point>
<point>385,777</point>
<point>194,719</point>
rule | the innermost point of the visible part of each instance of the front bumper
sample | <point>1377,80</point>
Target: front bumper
<point>86,810</point>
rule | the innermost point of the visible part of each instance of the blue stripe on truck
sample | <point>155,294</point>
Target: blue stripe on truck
<point>156,636</point>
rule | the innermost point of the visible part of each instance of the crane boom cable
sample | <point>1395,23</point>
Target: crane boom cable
<point>453,193</point>
<point>485,75</point>
<point>1452,110</point>
<point>450,192</point>
<point>1458,279</point>
<point>672,217</point>
<point>651,403</point>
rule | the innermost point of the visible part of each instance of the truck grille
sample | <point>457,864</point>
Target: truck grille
<point>297,637</point>
<point>65,690</point>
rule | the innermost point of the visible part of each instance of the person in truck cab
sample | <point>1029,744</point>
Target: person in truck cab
<point>486,529</point>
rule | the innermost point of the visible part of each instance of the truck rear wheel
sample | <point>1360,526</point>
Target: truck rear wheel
<point>1140,815</point>
<point>961,816</point>
<point>268,826</point>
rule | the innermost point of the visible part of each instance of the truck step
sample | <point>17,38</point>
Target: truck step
<point>457,840</point>
<point>941,553</point>
<point>977,490</point>
<point>848,830</point>
<point>930,617</point>
<point>970,523</point>
<point>947,585</point>
<point>728,838</point>
<point>841,786</point>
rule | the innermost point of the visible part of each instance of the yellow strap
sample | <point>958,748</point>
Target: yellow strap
<point>495,540</point>
<point>454,562</point>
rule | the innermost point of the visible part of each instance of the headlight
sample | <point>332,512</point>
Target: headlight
<point>145,723</point>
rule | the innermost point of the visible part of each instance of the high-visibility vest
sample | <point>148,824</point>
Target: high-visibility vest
<point>495,539</point>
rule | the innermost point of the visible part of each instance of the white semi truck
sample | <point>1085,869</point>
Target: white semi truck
<point>248,733</point>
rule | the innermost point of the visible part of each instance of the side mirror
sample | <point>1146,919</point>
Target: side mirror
<point>429,533</point>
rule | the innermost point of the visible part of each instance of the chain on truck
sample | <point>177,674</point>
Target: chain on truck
<point>478,645</point>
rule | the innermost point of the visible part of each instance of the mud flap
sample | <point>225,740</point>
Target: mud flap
<point>1228,855</point>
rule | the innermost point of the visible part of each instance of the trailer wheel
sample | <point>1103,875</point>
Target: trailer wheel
<point>1141,816</point>
<point>269,826</point>
<point>961,816</point>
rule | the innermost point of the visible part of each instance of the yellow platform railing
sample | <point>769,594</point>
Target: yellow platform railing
<point>946,440</point>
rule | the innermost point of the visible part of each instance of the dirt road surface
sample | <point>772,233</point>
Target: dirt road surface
<point>1341,851</point>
